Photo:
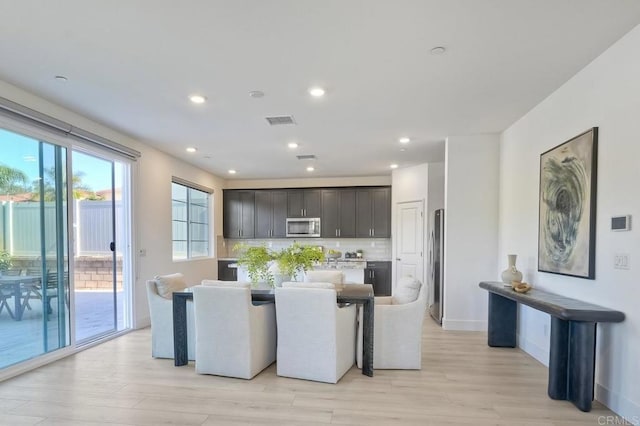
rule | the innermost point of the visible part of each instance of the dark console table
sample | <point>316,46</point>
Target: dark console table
<point>573,336</point>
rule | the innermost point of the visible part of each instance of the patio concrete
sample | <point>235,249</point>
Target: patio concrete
<point>21,340</point>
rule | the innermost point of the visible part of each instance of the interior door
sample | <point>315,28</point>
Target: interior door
<point>410,240</point>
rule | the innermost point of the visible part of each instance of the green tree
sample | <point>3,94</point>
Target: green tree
<point>12,181</point>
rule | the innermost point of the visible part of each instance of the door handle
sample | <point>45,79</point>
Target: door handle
<point>112,246</point>
<point>398,259</point>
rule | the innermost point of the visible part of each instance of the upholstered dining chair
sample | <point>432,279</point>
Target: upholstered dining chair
<point>316,337</point>
<point>397,329</point>
<point>160,297</point>
<point>234,338</point>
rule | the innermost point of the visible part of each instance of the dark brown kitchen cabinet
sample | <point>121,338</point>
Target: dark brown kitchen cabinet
<point>304,203</point>
<point>225,273</point>
<point>378,274</point>
<point>271,214</point>
<point>373,212</point>
<point>338,213</point>
<point>239,211</point>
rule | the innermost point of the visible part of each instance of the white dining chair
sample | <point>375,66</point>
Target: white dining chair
<point>160,297</point>
<point>397,329</point>
<point>234,338</point>
<point>316,337</point>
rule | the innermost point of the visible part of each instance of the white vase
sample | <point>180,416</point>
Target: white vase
<point>511,273</point>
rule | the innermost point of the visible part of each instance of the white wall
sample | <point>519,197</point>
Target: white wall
<point>471,228</point>
<point>408,184</point>
<point>152,201</point>
<point>605,94</point>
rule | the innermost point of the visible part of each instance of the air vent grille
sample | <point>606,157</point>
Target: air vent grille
<point>306,157</point>
<point>281,120</point>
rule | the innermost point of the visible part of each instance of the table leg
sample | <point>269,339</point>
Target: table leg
<point>367,337</point>
<point>17,310</point>
<point>581,366</point>
<point>558,359</point>
<point>503,320</point>
<point>180,355</point>
<point>572,359</point>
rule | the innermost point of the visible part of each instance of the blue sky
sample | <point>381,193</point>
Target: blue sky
<point>21,152</point>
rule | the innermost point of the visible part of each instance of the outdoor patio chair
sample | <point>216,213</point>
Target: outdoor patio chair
<point>6,294</point>
<point>31,290</point>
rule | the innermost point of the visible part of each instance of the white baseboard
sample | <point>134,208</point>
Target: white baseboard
<point>620,405</point>
<point>464,325</point>
<point>533,349</point>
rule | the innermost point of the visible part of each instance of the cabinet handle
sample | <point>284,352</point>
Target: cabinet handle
<point>339,232</point>
<point>301,212</point>
<point>369,231</point>
<point>373,232</point>
<point>336,232</point>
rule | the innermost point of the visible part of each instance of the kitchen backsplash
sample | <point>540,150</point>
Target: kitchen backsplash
<point>372,248</point>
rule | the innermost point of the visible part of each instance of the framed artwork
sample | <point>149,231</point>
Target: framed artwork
<point>567,210</point>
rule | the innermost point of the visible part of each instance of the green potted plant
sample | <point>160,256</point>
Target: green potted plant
<point>5,261</point>
<point>256,260</point>
<point>298,258</point>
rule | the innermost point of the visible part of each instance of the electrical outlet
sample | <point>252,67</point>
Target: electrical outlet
<point>337,243</point>
<point>621,261</point>
<point>270,244</point>
<point>142,252</point>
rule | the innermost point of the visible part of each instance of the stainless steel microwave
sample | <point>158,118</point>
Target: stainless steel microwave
<point>303,227</point>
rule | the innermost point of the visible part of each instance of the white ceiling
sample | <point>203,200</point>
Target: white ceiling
<point>132,64</point>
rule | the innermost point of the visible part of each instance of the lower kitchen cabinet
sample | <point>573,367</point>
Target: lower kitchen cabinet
<point>379,275</point>
<point>225,273</point>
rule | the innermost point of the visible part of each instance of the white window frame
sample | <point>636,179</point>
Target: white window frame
<point>209,192</point>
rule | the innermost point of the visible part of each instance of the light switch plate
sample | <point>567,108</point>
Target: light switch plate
<point>621,261</point>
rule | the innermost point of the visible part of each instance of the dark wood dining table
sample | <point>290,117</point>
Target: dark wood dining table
<point>15,283</point>
<point>361,294</point>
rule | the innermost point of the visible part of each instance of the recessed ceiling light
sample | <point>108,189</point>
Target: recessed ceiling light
<point>438,50</point>
<point>310,168</point>
<point>256,94</point>
<point>191,149</point>
<point>292,145</point>
<point>394,166</point>
<point>61,78</point>
<point>403,149</point>
<point>316,92</point>
<point>232,172</point>
<point>197,99</point>
<point>404,140</point>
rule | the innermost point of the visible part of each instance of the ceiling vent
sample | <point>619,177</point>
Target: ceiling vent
<point>281,120</point>
<point>306,157</point>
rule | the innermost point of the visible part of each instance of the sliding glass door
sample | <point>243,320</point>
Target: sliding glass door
<point>34,262</point>
<point>55,292</point>
<point>100,290</point>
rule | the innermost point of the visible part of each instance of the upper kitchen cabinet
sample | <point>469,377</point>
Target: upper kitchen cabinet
<point>271,214</point>
<point>238,217</point>
<point>304,203</point>
<point>338,213</point>
<point>373,212</point>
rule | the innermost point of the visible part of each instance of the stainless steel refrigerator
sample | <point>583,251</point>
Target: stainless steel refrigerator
<point>436,266</point>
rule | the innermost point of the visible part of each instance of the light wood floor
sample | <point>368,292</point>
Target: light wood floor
<point>463,382</point>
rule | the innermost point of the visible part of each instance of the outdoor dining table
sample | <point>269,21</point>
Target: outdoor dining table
<point>15,282</point>
<point>361,294</point>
